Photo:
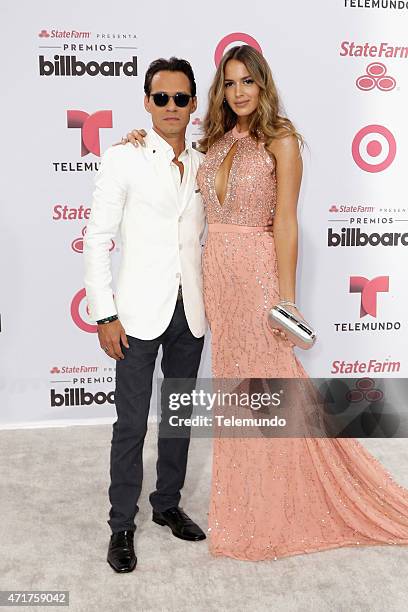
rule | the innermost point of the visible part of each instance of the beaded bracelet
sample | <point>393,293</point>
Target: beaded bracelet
<point>288,303</point>
<point>107,320</point>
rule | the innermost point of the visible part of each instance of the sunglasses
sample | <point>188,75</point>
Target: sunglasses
<point>180,99</point>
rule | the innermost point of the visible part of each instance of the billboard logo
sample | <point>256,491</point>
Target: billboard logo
<point>376,77</point>
<point>70,66</point>
<point>90,126</point>
<point>75,396</point>
<point>374,148</point>
<point>43,34</point>
<point>238,37</point>
<point>368,290</point>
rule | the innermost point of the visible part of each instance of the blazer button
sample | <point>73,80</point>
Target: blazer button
<point>178,275</point>
<point>180,219</point>
<point>180,246</point>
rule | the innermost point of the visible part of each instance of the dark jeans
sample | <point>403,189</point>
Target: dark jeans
<point>134,373</point>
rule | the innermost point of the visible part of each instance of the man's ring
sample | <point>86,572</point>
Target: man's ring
<point>105,348</point>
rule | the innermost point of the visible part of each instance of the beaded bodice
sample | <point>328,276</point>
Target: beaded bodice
<point>250,197</point>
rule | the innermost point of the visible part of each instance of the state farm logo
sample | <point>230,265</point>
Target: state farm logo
<point>234,37</point>
<point>361,408</point>
<point>340,366</point>
<point>365,390</point>
<point>374,148</point>
<point>80,313</point>
<point>368,290</point>
<point>82,369</point>
<point>77,245</point>
<point>89,126</point>
<point>383,50</point>
<point>351,208</point>
<point>376,78</point>
<point>64,34</point>
<point>63,212</point>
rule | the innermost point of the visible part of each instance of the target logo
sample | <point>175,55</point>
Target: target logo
<point>80,313</point>
<point>239,37</point>
<point>374,148</point>
<point>376,77</point>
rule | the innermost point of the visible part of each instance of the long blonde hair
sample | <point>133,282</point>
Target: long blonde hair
<point>266,122</point>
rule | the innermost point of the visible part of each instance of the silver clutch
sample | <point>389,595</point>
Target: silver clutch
<point>296,329</point>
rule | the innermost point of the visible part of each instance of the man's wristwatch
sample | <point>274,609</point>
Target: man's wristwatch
<point>107,320</point>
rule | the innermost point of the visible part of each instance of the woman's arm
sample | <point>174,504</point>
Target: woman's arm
<point>289,168</point>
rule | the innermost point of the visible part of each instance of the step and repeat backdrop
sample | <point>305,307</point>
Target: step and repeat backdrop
<point>72,85</point>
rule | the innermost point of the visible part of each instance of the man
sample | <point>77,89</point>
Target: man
<point>150,194</point>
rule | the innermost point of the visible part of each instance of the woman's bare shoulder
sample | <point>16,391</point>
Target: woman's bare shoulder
<point>285,144</point>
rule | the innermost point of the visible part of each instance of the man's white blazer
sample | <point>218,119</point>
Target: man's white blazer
<point>161,240</point>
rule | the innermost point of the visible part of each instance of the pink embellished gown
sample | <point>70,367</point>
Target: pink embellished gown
<point>274,497</point>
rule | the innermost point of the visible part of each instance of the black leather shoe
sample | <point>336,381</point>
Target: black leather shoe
<point>121,553</point>
<point>180,524</point>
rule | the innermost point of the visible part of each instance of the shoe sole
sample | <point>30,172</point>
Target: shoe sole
<point>122,571</point>
<point>176,535</point>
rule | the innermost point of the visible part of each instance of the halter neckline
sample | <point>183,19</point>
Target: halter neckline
<point>237,134</point>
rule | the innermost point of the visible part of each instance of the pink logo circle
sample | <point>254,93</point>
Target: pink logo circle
<point>234,37</point>
<point>386,83</point>
<point>365,83</point>
<point>354,395</point>
<point>77,307</point>
<point>77,245</point>
<point>376,69</point>
<point>374,148</point>
<point>365,383</point>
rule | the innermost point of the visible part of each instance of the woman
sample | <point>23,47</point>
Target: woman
<point>271,497</point>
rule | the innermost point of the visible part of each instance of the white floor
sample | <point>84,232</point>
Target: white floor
<point>54,535</point>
